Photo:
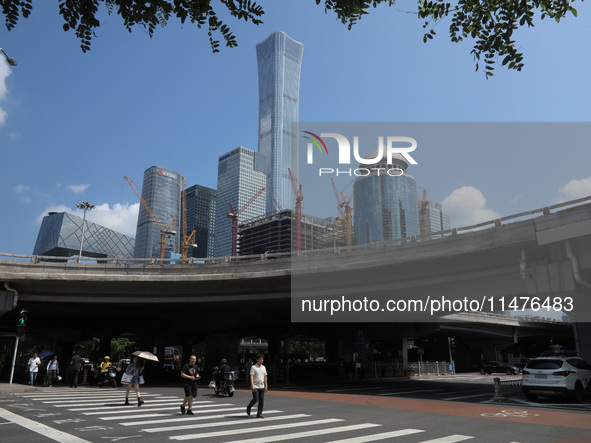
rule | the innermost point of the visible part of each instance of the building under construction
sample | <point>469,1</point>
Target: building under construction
<point>276,233</point>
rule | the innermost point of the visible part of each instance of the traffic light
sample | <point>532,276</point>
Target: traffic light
<point>22,322</point>
<point>452,344</point>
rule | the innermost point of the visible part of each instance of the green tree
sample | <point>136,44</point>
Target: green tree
<point>490,23</point>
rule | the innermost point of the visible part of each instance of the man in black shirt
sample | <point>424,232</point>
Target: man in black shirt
<point>221,374</point>
<point>190,374</point>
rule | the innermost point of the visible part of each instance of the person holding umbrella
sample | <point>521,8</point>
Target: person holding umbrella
<point>134,369</point>
<point>134,374</point>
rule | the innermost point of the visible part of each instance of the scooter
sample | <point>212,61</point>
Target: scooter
<point>109,378</point>
<point>226,386</point>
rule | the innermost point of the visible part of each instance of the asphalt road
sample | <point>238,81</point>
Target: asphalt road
<point>408,411</point>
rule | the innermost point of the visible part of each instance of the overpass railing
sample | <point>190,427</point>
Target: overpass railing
<point>287,255</point>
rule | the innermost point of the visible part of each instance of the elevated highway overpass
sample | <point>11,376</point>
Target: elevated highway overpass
<point>542,253</point>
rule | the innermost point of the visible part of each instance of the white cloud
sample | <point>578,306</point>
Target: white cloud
<point>467,206</point>
<point>77,189</point>
<point>4,73</point>
<point>19,189</point>
<point>575,189</point>
<point>121,217</point>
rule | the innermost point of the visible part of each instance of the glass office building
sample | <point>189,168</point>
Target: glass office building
<point>279,60</point>
<point>161,190</point>
<point>60,234</point>
<point>432,218</point>
<point>201,205</point>
<point>386,206</point>
<point>241,174</point>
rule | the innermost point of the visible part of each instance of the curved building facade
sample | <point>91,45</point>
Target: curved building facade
<point>161,189</point>
<point>386,206</point>
<point>279,60</point>
<point>60,236</point>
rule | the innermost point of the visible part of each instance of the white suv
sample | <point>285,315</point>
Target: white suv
<point>569,376</point>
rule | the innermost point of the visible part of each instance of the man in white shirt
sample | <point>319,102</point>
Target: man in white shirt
<point>258,384</point>
<point>33,368</point>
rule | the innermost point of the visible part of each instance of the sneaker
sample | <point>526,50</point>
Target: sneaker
<point>260,416</point>
<point>189,412</point>
<point>183,410</point>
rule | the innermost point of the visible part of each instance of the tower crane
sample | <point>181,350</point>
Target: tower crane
<point>164,230</point>
<point>424,205</point>
<point>298,208</point>
<point>188,240</point>
<point>346,214</point>
<point>234,216</point>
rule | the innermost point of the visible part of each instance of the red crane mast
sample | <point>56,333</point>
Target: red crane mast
<point>234,216</point>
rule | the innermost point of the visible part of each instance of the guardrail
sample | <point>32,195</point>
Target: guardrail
<point>505,387</point>
<point>329,251</point>
<point>398,369</point>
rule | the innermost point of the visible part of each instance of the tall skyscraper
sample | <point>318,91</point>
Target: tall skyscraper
<point>432,218</point>
<point>279,59</point>
<point>386,206</point>
<point>241,175</point>
<point>161,190</point>
<point>201,206</point>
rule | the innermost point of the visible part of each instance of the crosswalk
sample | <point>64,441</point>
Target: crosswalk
<point>222,421</point>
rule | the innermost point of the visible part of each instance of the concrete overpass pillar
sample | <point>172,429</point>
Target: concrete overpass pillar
<point>583,340</point>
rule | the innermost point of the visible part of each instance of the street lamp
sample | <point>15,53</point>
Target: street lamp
<point>86,206</point>
<point>9,60</point>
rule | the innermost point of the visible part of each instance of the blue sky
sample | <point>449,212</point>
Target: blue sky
<point>73,124</point>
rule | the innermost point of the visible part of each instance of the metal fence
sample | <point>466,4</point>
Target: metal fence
<point>398,369</point>
<point>504,388</point>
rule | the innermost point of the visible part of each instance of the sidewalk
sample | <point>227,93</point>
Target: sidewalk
<point>15,388</point>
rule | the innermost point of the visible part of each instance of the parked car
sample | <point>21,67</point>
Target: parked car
<point>520,362</point>
<point>569,376</point>
<point>490,367</point>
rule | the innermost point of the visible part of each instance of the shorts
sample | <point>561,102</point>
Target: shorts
<point>190,391</point>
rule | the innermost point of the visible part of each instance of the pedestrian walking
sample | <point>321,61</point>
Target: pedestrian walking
<point>53,371</point>
<point>134,369</point>
<point>258,384</point>
<point>33,368</point>
<point>76,363</point>
<point>190,375</point>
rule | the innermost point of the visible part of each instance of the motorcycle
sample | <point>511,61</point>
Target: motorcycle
<point>108,378</point>
<point>225,385</point>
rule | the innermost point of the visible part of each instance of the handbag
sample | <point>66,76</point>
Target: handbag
<point>141,379</point>
<point>212,384</point>
<point>126,378</point>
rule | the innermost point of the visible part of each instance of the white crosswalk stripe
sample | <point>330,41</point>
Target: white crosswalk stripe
<point>382,436</point>
<point>308,433</point>
<point>256,429</point>
<point>160,415</point>
<point>221,423</point>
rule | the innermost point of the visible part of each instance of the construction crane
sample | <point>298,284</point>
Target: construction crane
<point>188,240</point>
<point>298,209</point>
<point>234,216</point>
<point>346,214</point>
<point>164,230</point>
<point>278,205</point>
<point>424,205</point>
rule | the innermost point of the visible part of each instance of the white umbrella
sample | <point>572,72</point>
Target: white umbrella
<point>146,355</point>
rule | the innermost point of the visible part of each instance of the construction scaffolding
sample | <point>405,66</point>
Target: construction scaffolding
<point>276,233</point>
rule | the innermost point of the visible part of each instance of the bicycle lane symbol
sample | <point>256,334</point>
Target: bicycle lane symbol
<point>510,413</point>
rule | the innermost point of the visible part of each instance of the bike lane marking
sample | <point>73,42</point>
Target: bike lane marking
<point>40,428</point>
<point>578,420</point>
